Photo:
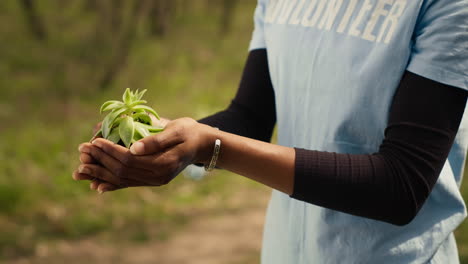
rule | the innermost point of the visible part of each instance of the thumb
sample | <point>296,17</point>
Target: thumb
<point>138,148</point>
<point>155,143</point>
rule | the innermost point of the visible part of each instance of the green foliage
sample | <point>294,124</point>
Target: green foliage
<point>128,121</point>
<point>192,71</point>
<point>10,198</point>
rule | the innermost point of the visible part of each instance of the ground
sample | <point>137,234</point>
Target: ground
<point>209,238</point>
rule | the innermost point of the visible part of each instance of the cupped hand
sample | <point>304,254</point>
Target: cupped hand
<point>152,161</point>
<point>96,183</point>
<point>87,159</point>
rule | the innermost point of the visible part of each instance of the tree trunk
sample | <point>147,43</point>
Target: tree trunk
<point>227,15</point>
<point>35,23</point>
<point>160,17</point>
<point>124,45</point>
<point>116,15</point>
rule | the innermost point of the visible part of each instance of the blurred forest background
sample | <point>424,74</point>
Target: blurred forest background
<point>59,60</point>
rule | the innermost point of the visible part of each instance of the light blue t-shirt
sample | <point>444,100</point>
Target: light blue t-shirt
<point>335,66</point>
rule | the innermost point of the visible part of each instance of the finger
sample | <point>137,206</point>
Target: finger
<point>85,158</point>
<point>99,172</point>
<point>121,154</point>
<point>162,122</point>
<point>116,151</point>
<point>128,178</point>
<point>107,187</point>
<point>109,162</point>
<point>81,177</point>
<point>156,143</point>
<point>94,184</point>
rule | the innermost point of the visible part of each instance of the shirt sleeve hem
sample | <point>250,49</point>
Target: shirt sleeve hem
<point>436,73</point>
<point>254,46</point>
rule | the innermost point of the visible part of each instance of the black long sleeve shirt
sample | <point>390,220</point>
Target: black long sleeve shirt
<point>390,185</point>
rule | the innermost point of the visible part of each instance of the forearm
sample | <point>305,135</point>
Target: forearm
<point>269,164</point>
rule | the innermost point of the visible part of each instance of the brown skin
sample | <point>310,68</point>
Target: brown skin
<point>156,160</point>
<point>88,159</point>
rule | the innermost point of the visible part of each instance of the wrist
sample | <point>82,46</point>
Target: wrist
<point>207,141</point>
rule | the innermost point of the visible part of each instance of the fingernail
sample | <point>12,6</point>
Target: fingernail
<point>96,143</point>
<point>137,148</point>
<point>84,170</point>
<point>100,191</point>
<point>80,148</point>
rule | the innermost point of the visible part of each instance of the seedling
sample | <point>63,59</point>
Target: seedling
<point>129,120</point>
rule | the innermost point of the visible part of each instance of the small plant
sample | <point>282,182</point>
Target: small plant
<point>128,121</point>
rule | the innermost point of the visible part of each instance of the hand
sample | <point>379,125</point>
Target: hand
<point>152,161</point>
<point>88,159</point>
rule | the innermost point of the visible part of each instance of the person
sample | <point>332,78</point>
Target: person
<point>369,99</point>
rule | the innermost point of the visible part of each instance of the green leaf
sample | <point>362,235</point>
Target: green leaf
<point>117,122</point>
<point>152,129</point>
<point>104,105</point>
<point>139,102</point>
<point>140,95</point>
<point>137,137</point>
<point>113,106</point>
<point>132,96</point>
<point>147,109</point>
<point>127,96</point>
<point>127,130</point>
<point>142,130</point>
<point>127,117</point>
<point>143,118</point>
<point>114,135</point>
<point>108,121</point>
<point>106,125</point>
<point>98,134</point>
<point>156,130</point>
